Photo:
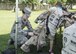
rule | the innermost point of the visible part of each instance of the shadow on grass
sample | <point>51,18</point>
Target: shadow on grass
<point>56,48</point>
<point>57,44</point>
<point>3,41</point>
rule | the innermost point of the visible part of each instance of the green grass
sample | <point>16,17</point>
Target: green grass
<point>73,10</point>
<point>7,19</point>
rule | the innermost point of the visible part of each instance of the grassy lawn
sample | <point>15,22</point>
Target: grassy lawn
<point>7,19</point>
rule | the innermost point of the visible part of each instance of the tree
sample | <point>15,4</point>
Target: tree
<point>13,1</point>
<point>0,1</point>
<point>3,1</point>
<point>71,2</point>
<point>54,1</point>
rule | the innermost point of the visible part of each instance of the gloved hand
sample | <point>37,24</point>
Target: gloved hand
<point>30,33</point>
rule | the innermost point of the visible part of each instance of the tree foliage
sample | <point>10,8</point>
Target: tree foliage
<point>71,1</point>
<point>12,1</point>
<point>29,1</point>
<point>52,1</point>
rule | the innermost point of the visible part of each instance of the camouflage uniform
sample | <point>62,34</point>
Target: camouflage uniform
<point>68,22</point>
<point>21,33</point>
<point>22,22</point>
<point>69,40</point>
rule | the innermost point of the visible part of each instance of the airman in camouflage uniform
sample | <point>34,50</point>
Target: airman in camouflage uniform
<point>22,22</point>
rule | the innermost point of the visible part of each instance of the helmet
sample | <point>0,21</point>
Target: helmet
<point>26,11</point>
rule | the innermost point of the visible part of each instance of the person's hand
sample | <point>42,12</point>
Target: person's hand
<point>40,26</point>
<point>30,33</point>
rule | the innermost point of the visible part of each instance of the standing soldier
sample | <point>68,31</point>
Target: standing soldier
<point>22,22</point>
<point>69,39</point>
<point>55,13</point>
<point>54,20</point>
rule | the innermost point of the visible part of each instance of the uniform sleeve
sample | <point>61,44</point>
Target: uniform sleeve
<point>14,27</point>
<point>29,26</point>
<point>20,28</point>
<point>42,16</point>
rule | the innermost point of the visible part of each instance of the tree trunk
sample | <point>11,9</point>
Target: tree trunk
<point>32,6</point>
<point>71,5</point>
